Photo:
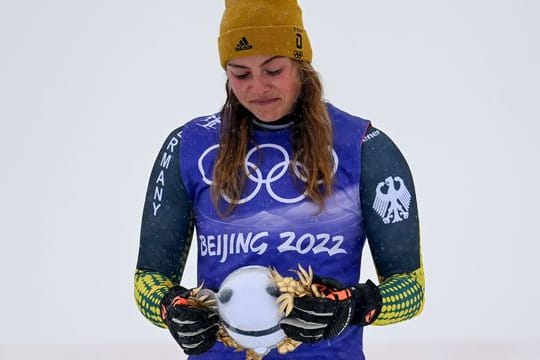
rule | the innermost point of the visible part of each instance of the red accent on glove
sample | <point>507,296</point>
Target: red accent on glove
<point>339,295</point>
<point>369,316</point>
<point>179,301</point>
<point>163,312</point>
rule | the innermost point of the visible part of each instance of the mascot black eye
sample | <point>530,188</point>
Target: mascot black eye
<point>225,295</point>
<point>273,290</point>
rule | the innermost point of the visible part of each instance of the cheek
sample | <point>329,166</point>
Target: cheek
<point>292,90</point>
<point>296,90</point>
<point>236,86</point>
<point>290,85</point>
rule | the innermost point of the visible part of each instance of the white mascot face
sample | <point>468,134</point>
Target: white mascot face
<point>248,308</point>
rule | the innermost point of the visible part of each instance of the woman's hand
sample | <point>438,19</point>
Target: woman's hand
<point>194,328</point>
<point>317,318</point>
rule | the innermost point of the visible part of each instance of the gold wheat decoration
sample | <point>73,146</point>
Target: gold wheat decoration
<point>289,288</point>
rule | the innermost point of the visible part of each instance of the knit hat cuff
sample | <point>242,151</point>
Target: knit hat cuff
<point>289,41</point>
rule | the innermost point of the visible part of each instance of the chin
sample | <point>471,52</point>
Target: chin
<point>268,116</point>
<point>268,119</point>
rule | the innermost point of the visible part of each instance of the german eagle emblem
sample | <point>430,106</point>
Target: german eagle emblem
<point>391,202</point>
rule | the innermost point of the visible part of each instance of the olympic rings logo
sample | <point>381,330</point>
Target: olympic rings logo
<point>275,173</point>
<point>298,54</point>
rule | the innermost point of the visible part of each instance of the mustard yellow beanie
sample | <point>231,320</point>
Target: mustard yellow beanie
<point>263,27</point>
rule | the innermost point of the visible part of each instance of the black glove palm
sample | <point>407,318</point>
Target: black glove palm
<point>313,318</point>
<point>194,329</point>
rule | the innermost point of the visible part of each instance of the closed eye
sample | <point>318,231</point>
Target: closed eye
<point>274,72</point>
<point>241,76</point>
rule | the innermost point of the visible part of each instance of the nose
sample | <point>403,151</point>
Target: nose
<point>260,84</point>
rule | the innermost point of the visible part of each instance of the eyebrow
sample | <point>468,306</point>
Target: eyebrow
<point>247,67</point>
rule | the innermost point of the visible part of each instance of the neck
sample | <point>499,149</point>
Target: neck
<point>281,123</point>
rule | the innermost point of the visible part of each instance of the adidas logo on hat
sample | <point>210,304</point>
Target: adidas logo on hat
<point>243,44</point>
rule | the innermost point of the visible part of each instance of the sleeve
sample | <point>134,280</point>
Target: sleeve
<point>391,216</point>
<point>166,231</point>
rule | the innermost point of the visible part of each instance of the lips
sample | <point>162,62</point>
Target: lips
<point>263,102</point>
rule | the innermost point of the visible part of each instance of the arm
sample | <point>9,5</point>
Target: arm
<point>166,232</point>
<point>392,228</point>
<point>391,219</point>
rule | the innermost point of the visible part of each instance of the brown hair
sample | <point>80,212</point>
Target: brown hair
<point>311,138</point>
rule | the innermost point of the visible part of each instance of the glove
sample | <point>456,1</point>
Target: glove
<point>317,318</point>
<point>194,328</point>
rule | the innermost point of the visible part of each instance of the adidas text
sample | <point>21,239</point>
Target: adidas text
<point>243,44</point>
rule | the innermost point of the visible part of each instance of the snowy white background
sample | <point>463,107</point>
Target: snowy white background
<point>89,90</point>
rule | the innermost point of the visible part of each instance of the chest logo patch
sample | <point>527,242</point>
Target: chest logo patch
<point>268,176</point>
<point>392,202</point>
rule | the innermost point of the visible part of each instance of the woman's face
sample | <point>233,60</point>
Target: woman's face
<point>267,86</point>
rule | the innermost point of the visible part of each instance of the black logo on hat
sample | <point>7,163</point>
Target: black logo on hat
<point>298,41</point>
<point>243,44</point>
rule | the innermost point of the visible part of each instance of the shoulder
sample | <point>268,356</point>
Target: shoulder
<point>375,140</point>
<point>191,131</point>
<point>202,127</point>
<point>203,124</point>
<point>337,114</point>
<point>346,125</point>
